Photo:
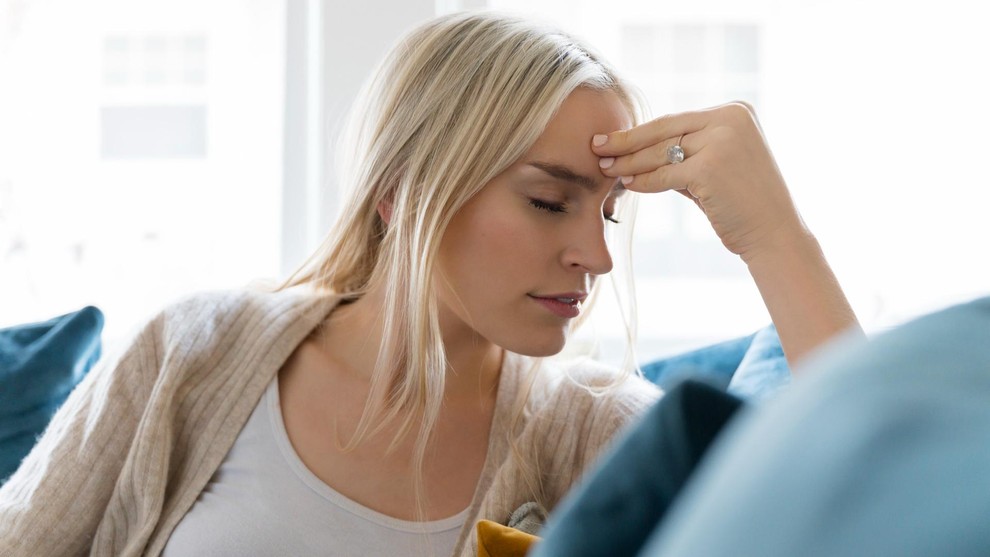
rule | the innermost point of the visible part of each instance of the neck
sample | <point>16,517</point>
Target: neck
<point>473,363</point>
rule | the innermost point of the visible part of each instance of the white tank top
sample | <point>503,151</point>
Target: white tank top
<point>264,501</point>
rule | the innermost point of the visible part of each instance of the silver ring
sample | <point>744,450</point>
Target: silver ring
<point>675,154</point>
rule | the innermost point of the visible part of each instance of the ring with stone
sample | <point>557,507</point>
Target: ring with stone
<point>675,153</point>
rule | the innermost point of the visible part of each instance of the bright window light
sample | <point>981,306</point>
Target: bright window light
<point>140,153</point>
<point>876,113</point>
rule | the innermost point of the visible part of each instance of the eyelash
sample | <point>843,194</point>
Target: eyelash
<point>559,208</point>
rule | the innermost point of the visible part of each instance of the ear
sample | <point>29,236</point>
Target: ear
<point>385,210</point>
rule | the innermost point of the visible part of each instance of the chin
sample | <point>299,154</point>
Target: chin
<point>537,346</point>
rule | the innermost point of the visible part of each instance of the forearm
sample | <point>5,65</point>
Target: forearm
<point>803,296</point>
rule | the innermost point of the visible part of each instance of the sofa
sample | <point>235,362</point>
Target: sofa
<point>880,448</point>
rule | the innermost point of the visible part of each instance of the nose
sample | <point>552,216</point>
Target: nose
<point>587,250</point>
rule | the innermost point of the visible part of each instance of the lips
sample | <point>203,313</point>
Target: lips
<point>565,304</point>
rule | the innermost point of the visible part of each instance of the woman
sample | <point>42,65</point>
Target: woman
<point>391,394</point>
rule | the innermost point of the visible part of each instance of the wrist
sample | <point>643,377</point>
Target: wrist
<point>801,292</point>
<point>785,244</point>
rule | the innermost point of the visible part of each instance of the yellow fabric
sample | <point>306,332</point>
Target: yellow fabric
<point>496,540</point>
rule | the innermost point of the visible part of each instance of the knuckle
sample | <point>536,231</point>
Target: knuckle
<point>663,121</point>
<point>724,134</point>
<point>746,106</point>
<point>660,151</point>
<point>654,179</point>
<point>738,112</point>
<point>617,141</point>
<point>664,118</point>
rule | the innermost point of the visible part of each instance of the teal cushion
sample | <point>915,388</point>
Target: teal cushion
<point>616,507</point>
<point>40,364</point>
<point>763,370</point>
<point>752,367</point>
<point>882,448</point>
<point>713,364</point>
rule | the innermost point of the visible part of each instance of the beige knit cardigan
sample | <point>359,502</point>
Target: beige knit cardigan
<point>130,451</point>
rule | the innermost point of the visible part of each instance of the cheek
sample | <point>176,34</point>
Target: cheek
<point>493,252</point>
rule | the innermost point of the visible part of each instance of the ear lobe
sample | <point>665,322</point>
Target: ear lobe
<point>385,211</point>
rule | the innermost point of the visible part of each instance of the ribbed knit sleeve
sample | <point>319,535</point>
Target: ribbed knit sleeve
<point>54,502</point>
<point>130,450</point>
<point>134,445</point>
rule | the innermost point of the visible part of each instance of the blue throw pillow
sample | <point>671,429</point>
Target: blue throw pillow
<point>40,364</point>
<point>763,370</point>
<point>752,367</point>
<point>714,364</point>
<point>616,507</point>
<point>882,448</point>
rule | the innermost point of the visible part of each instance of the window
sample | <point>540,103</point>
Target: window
<point>875,119</point>
<point>154,97</point>
<point>153,148</point>
<point>140,153</point>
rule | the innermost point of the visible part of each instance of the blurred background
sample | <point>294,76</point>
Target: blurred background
<point>150,149</point>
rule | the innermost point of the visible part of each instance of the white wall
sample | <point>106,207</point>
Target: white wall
<point>327,66</point>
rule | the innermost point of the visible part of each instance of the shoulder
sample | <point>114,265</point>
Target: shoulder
<point>213,314</point>
<point>219,307</point>
<point>585,386</point>
<point>208,324</point>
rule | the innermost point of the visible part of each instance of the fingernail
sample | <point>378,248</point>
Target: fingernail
<point>599,140</point>
<point>606,162</point>
<point>626,180</point>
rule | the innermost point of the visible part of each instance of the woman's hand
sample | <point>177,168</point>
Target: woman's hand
<point>727,170</point>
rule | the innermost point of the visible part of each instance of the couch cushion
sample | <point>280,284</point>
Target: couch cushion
<point>40,364</point>
<point>714,364</point>
<point>614,510</point>
<point>752,367</point>
<point>881,448</point>
<point>763,370</point>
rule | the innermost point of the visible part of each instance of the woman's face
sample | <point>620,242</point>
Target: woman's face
<point>518,259</point>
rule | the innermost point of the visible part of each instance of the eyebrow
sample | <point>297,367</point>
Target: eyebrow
<point>566,174</point>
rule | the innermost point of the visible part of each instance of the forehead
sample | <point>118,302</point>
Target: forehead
<point>583,114</point>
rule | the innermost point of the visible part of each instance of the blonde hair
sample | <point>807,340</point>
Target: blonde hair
<point>455,103</point>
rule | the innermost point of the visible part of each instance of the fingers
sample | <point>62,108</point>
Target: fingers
<point>668,177</point>
<point>664,128</point>
<point>640,155</point>
<point>671,126</point>
<point>652,157</point>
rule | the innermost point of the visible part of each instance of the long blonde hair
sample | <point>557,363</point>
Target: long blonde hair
<point>455,103</point>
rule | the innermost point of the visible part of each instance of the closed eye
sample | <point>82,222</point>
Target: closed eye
<point>548,206</point>
<point>609,211</point>
<point>556,208</point>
